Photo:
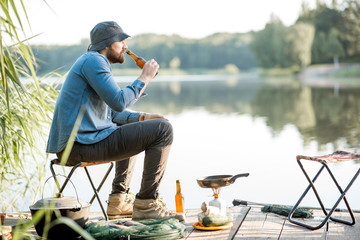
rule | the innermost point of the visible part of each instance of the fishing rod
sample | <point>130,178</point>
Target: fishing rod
<point>237,202</point>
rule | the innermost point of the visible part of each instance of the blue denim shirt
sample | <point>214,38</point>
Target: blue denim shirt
<point>90,83</point>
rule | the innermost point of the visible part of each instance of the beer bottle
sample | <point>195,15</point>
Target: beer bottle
<point>138,60</point>
<point>179,199</point>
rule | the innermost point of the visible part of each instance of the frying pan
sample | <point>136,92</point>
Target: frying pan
<point>218,181</point>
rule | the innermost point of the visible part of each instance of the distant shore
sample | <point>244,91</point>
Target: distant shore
<point>332,71</point>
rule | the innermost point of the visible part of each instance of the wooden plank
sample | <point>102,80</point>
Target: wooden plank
<point>254,221</point>
<point>239,219</point>
<point>239,214</point>
<point>16,219</point>
<point>290,230</point>
<point>343,231</point>
<point>257,225</point>
<point>260,225</point>
<point>191,218</point>
<point>273,226</point>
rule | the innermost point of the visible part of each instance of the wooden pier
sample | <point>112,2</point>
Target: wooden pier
<point>251,223</point>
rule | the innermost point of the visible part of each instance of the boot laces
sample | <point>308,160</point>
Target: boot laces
<point>129,197</point>
<point>161,205</point>
<point>160,201</point>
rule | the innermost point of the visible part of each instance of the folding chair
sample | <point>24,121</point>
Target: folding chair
<point>84,165</point>
<point>337,156</point>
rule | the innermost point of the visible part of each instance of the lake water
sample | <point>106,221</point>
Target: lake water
<point>245,124</point>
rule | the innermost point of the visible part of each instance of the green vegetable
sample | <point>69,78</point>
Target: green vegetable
<point>216,220</point>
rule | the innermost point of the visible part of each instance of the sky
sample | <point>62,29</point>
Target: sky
<point>68,21</point>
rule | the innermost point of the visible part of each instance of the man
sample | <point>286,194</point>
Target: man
<point>110,132</point>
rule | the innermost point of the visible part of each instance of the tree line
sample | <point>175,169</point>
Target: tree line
<point>324,34</point>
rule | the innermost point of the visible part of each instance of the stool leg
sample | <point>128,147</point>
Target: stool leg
<point>343,197</point>
<point>96,193</point>
<point>102,181</point>
<point>61,189</point>
<point>68,177</point>
<point>311,185</point>
<point>54,175</point>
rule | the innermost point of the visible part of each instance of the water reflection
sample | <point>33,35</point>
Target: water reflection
<point>215,96</point>
<point>322,114</point>
<point>319,114</point>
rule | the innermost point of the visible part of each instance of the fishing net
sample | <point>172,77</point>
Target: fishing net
<point>285,210</point>
<point>162,229</point>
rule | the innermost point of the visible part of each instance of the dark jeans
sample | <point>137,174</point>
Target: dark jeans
<point>152,136</point>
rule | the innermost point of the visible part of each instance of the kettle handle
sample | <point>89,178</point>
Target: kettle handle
<point>61,195</point>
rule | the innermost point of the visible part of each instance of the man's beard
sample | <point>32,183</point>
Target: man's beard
<point>114,57</point>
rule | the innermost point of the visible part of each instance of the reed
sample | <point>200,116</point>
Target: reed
<point>26,107</point>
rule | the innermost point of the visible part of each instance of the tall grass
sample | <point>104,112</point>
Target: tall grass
<point>26,105</point>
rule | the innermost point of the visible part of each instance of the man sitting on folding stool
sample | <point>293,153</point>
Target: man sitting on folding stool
<point>108,131</point>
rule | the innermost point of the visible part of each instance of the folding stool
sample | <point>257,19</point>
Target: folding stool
<point>338,156</point>
<point>84,165</point>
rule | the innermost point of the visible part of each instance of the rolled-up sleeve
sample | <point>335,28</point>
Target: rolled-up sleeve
<point>124,117</point>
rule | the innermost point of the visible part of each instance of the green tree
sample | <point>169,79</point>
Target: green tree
<point>345,18</point>
<point>299,39</point>
<point>318,48</point>
<point>212,52</point>
<point>334,47</point>
<point>268,44</point>
<point>280,46</point>
<point>350,31</point>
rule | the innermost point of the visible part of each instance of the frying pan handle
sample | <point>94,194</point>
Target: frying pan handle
<point>233,178</point>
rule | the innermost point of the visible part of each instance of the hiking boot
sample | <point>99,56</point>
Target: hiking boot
<point>151,208</point>
<point>120,205</point>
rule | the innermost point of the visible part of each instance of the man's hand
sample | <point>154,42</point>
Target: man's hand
<point>148,116</point>
<point>148,73</point>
